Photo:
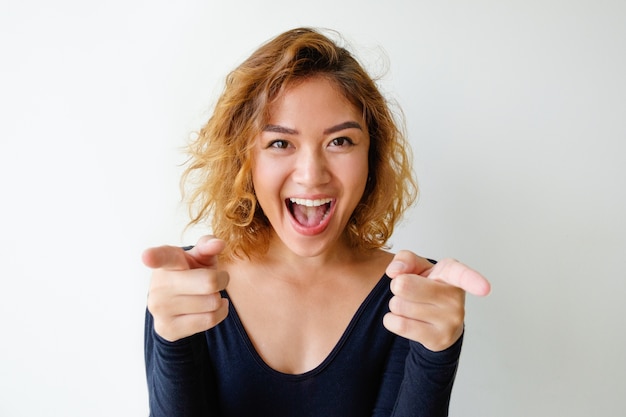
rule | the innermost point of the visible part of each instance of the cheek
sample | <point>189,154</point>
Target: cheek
<point>265,180</point>
<point>360,169</point>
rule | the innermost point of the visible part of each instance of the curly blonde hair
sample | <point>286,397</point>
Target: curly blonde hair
<point>217,181</point>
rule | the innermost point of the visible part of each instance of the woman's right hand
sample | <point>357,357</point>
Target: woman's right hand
<point>184,296</point>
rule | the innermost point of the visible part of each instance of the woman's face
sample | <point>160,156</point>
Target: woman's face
<point>310,166</point>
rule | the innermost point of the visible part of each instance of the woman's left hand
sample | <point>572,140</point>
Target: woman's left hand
<point>428,305</point>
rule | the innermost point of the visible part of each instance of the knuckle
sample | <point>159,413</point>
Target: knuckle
<point>453,296</point>
<point>456,321</point>
<point>210,320</point>
<point>214,282</point>
<point>401,325</point>
<point>401,307</point>
<point>207,285</point>
<point>394,305</point>
<point>446,341</point>
<point>156,304</point>
<point>400,285</point>
<point>404,326</point>
<point>213,302</point>
<point>165,330</point>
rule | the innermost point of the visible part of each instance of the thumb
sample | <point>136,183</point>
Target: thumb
<point>204,253</point>
<point>406,262</point>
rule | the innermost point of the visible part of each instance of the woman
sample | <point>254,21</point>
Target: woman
<point>295,308</point>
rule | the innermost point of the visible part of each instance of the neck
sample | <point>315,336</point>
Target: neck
<point>283,263</point>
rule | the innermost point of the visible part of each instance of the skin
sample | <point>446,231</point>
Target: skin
<point>315,146</point>
<point>297,300</point>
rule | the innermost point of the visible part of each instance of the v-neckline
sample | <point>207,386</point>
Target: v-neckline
<point>233,315</point>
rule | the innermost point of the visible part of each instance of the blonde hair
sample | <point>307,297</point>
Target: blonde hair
<point>217,180</point>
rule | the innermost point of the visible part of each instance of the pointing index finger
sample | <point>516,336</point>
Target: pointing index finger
<point>455,273</point>
<point>166,257</point>
<point>202,255</point>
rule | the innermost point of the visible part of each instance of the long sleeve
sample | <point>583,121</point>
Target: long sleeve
<point>370,372</point>
<point>427,383</point>
<point>179,379</point>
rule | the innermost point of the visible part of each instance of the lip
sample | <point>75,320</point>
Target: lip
<point>317,229</point>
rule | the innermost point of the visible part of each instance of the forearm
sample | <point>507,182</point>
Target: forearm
<point>427,383</point>
<point>178,380</point>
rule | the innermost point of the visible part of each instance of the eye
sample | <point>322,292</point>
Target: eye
<point>341,142</point>
<point>278,144</point>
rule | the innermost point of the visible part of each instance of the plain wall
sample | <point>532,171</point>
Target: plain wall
<point>517,114</point>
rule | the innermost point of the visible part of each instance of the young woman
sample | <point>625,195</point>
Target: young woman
<point>294,307</point>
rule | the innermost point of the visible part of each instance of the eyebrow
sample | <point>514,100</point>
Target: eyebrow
<point>334,129</point>
<point>343,126</point>
<point>280,129</point>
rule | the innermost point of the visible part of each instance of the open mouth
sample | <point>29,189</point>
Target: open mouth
<point>309,213</point>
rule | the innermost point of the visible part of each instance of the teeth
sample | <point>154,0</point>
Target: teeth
<point>310,203</point>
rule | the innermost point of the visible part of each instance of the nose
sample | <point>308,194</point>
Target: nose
<point>311,168</point>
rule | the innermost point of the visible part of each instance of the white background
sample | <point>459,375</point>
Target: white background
<point>517,114</point>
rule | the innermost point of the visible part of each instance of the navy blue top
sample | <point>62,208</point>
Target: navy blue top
<point>370,372</point>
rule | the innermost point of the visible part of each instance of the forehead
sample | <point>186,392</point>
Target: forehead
<point>317,97</point>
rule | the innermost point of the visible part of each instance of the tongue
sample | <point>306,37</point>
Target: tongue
<point>309,216</point>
